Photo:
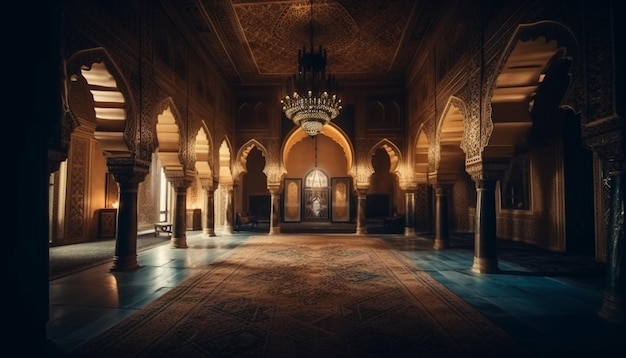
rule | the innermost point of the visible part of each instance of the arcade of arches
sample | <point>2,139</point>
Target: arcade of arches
<point>513,133</point>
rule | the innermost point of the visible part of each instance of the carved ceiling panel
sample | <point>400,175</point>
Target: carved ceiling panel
<point>257,42</point>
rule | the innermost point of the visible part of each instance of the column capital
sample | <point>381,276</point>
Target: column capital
<point>442,188</point>
<point>128,170</point>
<point>408,185</point>
<point>605,137</point>
<point>207,183</point>
<point>180,179</point>
<point>274,188</point>
<point>488,169</point>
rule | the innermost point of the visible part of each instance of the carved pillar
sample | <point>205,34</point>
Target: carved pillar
<point>229,227</point>
<point>603,130</point>
<point>608,141</point>
<point>209,212</point>
<point>485,240</point>
<point>409,213</point>
<point>361,227</point>
<point>128,173</point>
<point>615,287</point>
<point>209,207</point>
<point>485,174</point>
<point>275,191</point>
<point>180,183</point>
<point>442,223</point>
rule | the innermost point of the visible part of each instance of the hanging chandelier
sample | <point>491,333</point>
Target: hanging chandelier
<point>310,105</point>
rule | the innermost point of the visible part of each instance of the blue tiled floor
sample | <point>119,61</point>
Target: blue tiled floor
<point>551,311</point>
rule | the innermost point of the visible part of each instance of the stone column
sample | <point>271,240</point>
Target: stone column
<point>128,173</point>
<point>361,227</point>
<point>275,191</point>
<point>409,213</point>
<point>179,225</point>
<point>229,227</point>
<point>485,174</point>
<point>209,207</point>
<point>615,287</point>
<point>485,240</point>
<point>603,130</point>
<point>442,224</point>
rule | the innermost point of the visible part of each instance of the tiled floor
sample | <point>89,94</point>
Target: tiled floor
<point>548,302</point>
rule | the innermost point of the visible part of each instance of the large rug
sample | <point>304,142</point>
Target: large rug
<point>307,296</point>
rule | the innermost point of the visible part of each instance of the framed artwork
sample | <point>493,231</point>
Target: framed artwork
<point>340,199</point>
<point>292,206</point>
<point>316,204</point>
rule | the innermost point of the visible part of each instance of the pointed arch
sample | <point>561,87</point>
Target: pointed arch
<point>421,154</point>
<point>449,156</point>
<point>203,151</point>
<point>225,159</point>
<point>395,156</point>
<point>114,113</point>
<point>168,136</point>
<point>519,72</point>
<point>244,151</point>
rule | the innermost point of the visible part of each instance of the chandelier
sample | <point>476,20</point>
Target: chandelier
<point>310,105</point>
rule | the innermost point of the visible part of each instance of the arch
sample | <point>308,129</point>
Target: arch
<point>168,136</point>
<point>519,72</point>
<point>395,157</point>
<point>330,130</point>
<point>225,173</point>
<point>113,105</point>
<point>203,150</point>
<point>449,156</point>
<point>420,158</point>
<point>244,151</point>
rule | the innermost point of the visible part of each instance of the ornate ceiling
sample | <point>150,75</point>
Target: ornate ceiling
<point>257,41</point>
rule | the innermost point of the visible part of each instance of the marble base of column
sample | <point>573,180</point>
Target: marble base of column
<point>409,231</point>
<point>228,230</point>
<point>274,230</point>
<point>362,230</point>
<point>613,309</point>
<point>208,232</point>
<point>485,265</point>
<point>442,244</point>
<point>178,242</point>
<point>125,264</point>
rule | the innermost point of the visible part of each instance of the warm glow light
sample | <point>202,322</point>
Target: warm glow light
<point>115,204</point>
<point>310,106</point>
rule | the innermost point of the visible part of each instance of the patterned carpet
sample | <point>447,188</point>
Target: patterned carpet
<point>306,296</point>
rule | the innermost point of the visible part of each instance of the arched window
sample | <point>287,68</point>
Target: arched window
<point>316,195</point>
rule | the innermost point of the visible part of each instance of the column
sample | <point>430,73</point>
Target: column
<point>361,227</point>
<point>275,192</point>
<point>128,173</point>
<point>229,227</point>
<point>442,224</point>
<point>409,213</point>
<point>179,224</point>
<point>209,206</point>
<point>485,240</point>
<point>615,287</point>
<point>209,213</point>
